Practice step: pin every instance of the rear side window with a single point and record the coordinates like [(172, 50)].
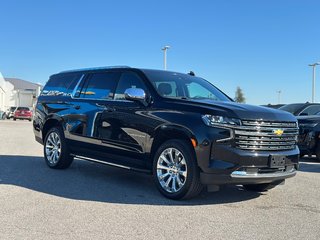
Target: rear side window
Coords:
[(128, 80), (100, 85), (61, 84)]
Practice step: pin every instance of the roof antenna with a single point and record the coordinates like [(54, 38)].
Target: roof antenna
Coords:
[(191, 73)]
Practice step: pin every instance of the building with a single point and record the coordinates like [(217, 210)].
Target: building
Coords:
[(6, 94), (17, 92)]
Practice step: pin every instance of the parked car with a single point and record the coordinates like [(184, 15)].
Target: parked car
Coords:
[(309, 133), (10, 112), (2, 115), (23, 113), (302, 109), (179, 127)]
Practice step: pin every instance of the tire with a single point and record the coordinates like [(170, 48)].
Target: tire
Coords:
[(55, 150), (177, 177), (261, 187), (14, 119)]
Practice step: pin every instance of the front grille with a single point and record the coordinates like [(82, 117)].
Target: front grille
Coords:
[(261, 135)]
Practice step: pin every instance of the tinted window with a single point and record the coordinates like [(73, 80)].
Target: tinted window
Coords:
[(100, 85), (311, 110), (61, 84), (128, 80), (167, 88), (23, 109), (178, 85)]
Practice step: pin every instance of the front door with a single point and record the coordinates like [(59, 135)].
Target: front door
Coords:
[(125, 126)]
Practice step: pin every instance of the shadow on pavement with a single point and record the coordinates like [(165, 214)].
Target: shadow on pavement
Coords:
[(95, 182), (309, 164)]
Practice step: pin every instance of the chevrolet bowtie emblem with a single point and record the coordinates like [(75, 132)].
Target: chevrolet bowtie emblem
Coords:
[(278, 132)]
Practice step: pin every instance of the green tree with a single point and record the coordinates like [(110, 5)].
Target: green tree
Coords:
[(239, 96)]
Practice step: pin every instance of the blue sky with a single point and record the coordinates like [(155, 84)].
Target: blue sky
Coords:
[(261, 46)]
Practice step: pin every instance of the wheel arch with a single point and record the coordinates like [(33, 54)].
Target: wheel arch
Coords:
[(170, 132), (53, 121)]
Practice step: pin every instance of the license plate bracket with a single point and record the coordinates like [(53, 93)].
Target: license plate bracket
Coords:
[(276, 161)]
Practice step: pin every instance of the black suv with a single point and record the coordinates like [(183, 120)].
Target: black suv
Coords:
[(301, 109), (178, 127)]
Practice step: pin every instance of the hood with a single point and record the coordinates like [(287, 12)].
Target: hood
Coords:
[(241, 111), (306, 119)]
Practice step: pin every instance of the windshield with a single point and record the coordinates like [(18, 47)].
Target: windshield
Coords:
[(291, 108), (183, 86)]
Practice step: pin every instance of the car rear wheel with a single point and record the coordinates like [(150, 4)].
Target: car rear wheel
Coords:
[(175, 171), (56, 153)]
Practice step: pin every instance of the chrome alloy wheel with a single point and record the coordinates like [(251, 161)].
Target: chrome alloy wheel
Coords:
[(171, 170), (53, 148)]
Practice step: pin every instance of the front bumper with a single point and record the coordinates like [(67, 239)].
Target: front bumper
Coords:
[(245, 177), (23, 117), (307, 141), (223, 163)]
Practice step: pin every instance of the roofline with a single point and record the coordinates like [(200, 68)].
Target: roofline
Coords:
[(94, 69)]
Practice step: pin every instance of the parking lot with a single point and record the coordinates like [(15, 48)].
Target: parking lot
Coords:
[(91, 201)]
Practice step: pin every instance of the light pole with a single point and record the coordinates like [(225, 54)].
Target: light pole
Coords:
[(279, 93), (164, 49), (314, 79)]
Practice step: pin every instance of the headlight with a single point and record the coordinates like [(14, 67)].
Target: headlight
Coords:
[(213, 120)]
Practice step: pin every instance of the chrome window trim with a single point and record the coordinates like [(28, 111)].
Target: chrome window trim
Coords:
[(76, 87), (93, 99)]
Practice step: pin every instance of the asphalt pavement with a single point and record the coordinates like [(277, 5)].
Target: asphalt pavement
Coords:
[(93, 201)]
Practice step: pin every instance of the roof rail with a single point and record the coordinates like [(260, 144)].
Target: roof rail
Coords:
[(94, 68)]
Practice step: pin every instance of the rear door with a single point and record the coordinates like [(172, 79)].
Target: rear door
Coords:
[(90, 98)]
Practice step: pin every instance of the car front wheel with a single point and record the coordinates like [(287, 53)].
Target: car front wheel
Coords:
[(175, 171), (56, 152)]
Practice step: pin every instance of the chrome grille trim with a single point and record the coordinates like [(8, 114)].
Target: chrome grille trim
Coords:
[(260, 135)]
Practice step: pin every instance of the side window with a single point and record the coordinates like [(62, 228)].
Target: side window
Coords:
[(61, 84), (100, 85), (167, 89), (128, 80), (311, 110)]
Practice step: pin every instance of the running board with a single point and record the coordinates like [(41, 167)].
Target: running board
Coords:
[(111, 164)]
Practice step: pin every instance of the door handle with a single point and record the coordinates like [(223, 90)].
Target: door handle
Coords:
[(77, 107)]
